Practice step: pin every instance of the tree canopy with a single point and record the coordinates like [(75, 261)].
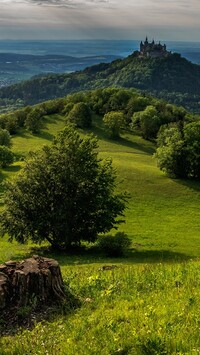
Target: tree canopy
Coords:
[(114, 122), (80, 115), (64, 194), (5, 138), (178, 152), (6, 156)]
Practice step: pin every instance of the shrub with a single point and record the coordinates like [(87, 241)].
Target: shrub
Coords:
[(6, 157), (80, 115), (114, 122), (9, 122), (5, 138), (114, 245), (33, 121), (68, 108)]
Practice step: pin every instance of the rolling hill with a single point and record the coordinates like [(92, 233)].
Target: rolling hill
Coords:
[(144, 303), (173, 78)]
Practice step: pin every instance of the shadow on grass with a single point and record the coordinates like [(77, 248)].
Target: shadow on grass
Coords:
[(12, 169), (43, 132), (24, 134), (92, 255), (134, 145), (14, 319), (157, 256), (99, 131), (45, 135), (191, 184), (3, 174)]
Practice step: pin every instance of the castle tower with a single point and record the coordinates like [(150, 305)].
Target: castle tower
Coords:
[(152, 49)]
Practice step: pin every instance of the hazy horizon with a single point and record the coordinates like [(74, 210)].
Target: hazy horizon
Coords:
[(95, 39)]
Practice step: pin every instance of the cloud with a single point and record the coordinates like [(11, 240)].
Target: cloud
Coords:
[(119, 19), (58, 3)]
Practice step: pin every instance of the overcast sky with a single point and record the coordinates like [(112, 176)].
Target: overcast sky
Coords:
[(102, 19)]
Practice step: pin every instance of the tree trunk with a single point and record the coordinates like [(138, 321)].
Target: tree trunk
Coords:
[(32, 281)]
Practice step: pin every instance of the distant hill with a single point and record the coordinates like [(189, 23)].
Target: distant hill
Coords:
[(16, 67), (173, 78)]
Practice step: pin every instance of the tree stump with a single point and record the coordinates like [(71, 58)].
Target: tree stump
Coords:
[(35, 280)]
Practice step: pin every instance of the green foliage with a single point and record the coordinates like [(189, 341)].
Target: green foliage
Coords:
[(64, 194), (6, 156), (33, 120), (5, 138), (53, 106), (80, 115), (178, 152), (114, 122), (118, 100), (137, 103), (148, 122), (21, 115), (191, 134), (170, 154), (9, 122), (68, 107), (116, 245)]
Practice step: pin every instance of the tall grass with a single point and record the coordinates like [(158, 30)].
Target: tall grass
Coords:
[(143, 309)]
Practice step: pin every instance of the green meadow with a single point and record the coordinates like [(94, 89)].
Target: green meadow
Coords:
[(149, 301)]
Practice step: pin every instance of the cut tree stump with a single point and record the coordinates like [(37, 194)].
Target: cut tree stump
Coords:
[(35, 280)]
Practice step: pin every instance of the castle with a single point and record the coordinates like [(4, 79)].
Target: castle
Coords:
[(153, 49)]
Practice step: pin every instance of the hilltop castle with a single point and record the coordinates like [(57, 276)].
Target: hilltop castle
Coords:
[(153, 49)]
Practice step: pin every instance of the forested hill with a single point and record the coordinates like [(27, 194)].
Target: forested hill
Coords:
[(173, 78)]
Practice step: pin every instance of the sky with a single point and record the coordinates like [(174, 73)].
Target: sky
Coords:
[(100, 19)]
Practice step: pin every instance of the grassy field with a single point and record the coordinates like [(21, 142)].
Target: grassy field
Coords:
[(149, 302)]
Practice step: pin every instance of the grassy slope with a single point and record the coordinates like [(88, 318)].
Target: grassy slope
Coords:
[(142, 307)]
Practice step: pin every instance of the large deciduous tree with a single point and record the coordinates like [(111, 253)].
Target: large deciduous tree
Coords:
[(64, 194), (6, 156), (5, 138), (170, 154), (33, 121), (114, 122), (148, 121), (80, 115), (178, 152)]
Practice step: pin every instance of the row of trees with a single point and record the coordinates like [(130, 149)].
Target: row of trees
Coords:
[(119, 108), (138, 109), (140, 112), (29, 117), (177, 130)]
